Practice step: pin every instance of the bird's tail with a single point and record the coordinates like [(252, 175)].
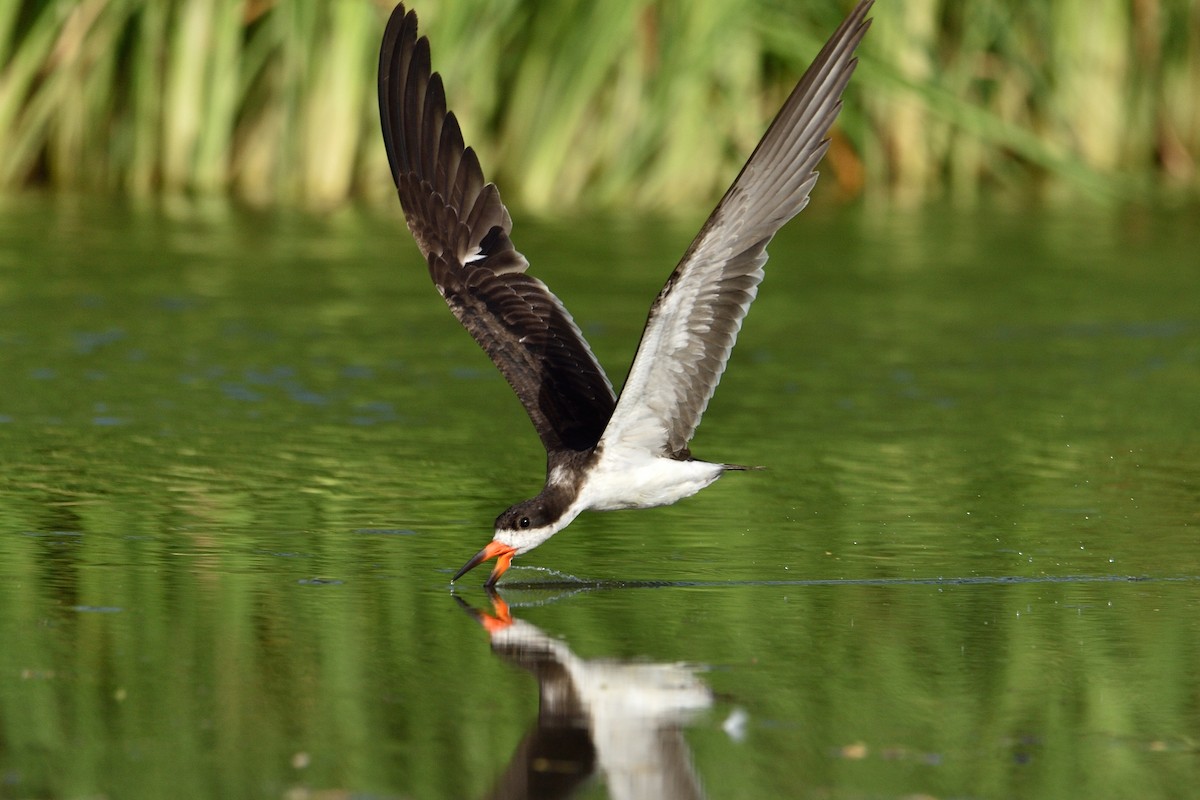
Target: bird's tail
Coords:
[(739, 467)]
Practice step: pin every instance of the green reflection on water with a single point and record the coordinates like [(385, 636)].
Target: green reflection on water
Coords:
[(242, 456)]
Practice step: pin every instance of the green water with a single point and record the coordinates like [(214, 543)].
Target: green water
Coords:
[(243, 454)]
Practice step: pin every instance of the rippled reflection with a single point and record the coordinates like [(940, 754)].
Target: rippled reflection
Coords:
[(620, 720), (243, 455)]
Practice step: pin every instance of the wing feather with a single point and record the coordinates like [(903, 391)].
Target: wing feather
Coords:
[(695, 320), (462, 228)]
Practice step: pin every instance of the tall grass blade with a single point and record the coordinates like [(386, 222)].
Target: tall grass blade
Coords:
[(627, 103)]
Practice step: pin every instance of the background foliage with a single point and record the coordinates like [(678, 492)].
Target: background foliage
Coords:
[(649, 103)]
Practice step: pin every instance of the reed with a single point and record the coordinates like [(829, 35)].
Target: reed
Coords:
[(634, 103)]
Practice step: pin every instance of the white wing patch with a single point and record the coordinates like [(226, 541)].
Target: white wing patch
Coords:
[(666, 373)]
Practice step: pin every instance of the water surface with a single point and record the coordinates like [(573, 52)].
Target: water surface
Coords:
[(243, 454)]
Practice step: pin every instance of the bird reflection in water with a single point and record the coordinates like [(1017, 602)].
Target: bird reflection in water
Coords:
[(623, 720)]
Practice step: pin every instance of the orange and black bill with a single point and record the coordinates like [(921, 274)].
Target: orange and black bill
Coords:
[(501, 552), (500, 618)]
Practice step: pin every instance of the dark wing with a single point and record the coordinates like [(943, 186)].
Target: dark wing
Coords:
[(462, 228), (695, 320)]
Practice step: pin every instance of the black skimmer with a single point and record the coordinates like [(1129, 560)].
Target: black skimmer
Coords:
[(602, 453)]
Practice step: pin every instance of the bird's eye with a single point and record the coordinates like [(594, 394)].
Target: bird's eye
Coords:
[(524, 522)]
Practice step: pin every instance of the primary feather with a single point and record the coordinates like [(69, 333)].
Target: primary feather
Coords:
[(462, 229), (695, 320)]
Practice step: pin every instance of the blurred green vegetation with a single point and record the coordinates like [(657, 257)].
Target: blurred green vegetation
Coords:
[(644, 103)]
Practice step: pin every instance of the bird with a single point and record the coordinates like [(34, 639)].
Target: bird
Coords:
[(603, 452)]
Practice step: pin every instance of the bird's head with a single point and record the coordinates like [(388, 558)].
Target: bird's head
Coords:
[(519, 530)]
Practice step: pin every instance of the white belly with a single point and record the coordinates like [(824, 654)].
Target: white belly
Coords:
[(638, 480)]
